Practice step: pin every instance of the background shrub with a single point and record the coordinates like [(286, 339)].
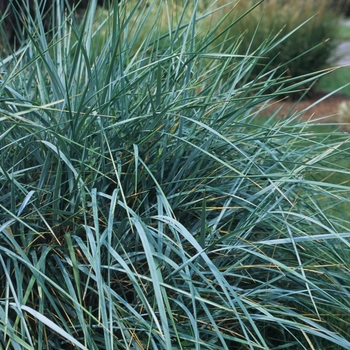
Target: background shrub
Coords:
[(341, 6), (310, 48)]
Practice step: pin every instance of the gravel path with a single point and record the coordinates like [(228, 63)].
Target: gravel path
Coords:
[(342, 52)]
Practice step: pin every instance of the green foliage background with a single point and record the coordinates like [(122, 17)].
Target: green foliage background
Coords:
[(308, 49)]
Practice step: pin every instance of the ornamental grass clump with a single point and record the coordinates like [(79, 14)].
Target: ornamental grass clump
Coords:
[(145, 203)]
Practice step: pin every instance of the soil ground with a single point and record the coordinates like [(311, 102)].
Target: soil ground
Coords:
[(328, 109)]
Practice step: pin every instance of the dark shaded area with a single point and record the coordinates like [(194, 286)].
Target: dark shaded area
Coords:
[(343, 6), (14, 14)]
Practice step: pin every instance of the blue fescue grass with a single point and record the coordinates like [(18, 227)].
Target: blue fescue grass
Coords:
[(144, 204)]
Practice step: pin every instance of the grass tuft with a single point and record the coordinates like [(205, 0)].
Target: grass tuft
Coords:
[(144, 204)]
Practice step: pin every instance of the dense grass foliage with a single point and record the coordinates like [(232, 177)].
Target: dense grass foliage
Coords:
[(144, 204)]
